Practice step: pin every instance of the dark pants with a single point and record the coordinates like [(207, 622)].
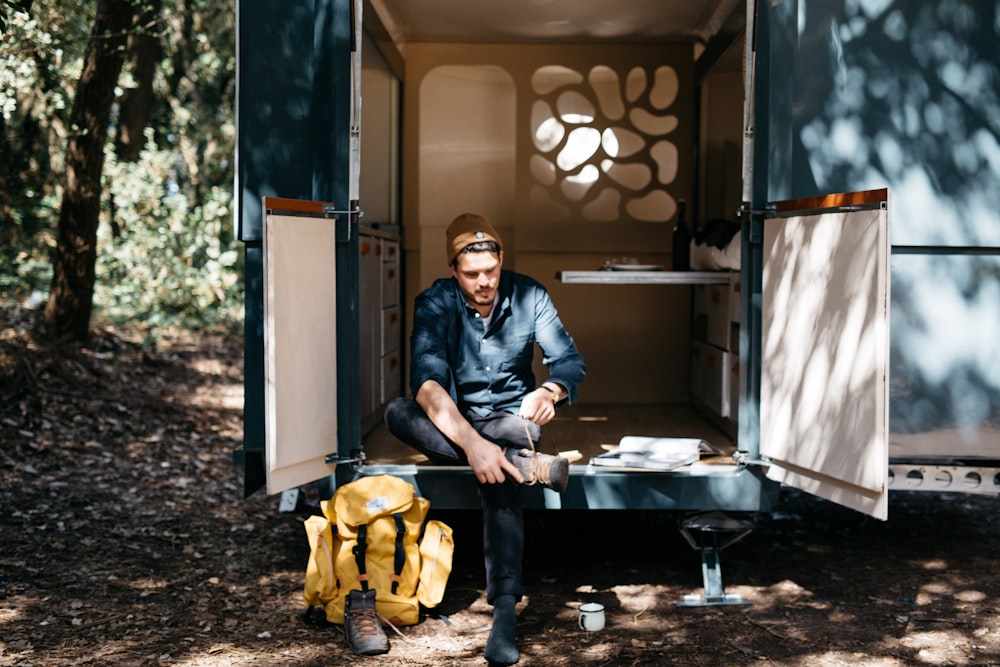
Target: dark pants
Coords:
[(503, 523)]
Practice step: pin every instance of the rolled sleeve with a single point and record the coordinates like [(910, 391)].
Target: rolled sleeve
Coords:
[(560, 354), (428, 351)]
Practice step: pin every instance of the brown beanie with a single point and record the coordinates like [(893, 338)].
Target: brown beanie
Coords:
[(467, 229)]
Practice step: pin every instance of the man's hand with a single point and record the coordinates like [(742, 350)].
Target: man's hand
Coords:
[(488, 462), (538, 407), (485, 458)]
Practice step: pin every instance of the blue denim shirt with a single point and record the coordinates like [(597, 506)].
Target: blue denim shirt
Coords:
[(490, 370)]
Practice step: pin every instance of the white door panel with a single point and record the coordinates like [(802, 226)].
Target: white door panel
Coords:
[(300, 347), (824, 355)]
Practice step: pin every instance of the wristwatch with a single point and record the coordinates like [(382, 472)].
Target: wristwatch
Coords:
[(555, 394)]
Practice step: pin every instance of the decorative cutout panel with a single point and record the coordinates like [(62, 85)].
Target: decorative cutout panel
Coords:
[(602, 143)]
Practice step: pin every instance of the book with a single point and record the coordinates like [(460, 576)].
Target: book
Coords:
[(652, 453)]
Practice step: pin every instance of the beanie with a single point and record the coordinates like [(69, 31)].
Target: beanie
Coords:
[(467, 229)]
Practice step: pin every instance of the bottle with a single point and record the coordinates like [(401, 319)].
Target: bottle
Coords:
[(681, 240)]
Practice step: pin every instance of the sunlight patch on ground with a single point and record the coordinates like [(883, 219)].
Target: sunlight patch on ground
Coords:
[(636, 599), (12, 610), (782, 593), (148, 585), (841, 617), (281, 577), (938, 588), (970, 596), (843, 659), (939, 647), (227, 396), (936, 564)]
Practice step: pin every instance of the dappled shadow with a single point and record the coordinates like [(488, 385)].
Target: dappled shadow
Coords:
[(824, 347), (125, 542), (903, 95)]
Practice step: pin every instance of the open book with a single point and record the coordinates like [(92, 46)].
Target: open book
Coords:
[(650, 453)]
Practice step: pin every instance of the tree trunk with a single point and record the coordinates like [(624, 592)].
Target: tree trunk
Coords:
[(67, 313), (137, 103)]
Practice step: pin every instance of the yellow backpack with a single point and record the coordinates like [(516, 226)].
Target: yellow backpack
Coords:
[(373, 535)]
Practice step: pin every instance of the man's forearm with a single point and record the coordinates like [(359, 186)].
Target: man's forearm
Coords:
[(485, 458), (444, 414)]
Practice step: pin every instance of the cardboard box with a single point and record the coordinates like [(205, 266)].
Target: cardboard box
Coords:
[(711, 313), (710, 377), (734, 386)]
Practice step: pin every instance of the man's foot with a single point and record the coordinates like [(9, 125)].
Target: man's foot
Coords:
[(501, 647), (364, 632), (552, 472)]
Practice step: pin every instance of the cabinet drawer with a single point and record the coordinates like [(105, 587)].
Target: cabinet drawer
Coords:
[(391, 376), (390, 329), (390, 285), (390, 251)]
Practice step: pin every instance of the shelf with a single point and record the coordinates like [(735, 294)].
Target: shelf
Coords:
[(645, 277)]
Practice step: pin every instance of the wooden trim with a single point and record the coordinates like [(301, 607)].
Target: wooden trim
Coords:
[(295, 205), (833, 201)]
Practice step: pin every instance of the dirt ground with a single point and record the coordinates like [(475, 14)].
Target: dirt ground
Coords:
[(125, 541)]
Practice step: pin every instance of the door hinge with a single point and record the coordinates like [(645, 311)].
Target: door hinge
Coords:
[(344, 224)]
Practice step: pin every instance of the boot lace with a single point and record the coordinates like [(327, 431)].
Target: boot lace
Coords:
[(365, 620)]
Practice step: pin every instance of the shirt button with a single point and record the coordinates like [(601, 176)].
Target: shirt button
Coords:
[(488, 368), (484, 341)]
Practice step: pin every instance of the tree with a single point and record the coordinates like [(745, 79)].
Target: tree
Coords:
[(165, 252), (137, 103), (67, 313)]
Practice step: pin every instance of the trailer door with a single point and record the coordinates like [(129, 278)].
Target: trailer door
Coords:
[(298, 105), (824, 348), (300, 343)]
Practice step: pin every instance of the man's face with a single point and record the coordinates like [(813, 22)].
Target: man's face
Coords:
[(478, 275)]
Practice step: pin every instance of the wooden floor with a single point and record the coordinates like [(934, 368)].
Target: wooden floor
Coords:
[(590, 429)]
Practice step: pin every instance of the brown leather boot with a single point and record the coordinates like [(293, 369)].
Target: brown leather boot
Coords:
[(361, 625), (552, 472)]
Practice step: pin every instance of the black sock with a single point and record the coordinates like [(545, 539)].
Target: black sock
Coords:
[(501, 648)]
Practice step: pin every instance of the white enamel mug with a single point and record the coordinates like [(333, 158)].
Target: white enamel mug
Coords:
[(591, 616)]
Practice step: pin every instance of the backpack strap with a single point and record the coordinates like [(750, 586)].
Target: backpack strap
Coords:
[(359, 550), (399, 559)]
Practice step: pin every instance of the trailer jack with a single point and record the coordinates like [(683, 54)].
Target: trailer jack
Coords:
[(710, 533)]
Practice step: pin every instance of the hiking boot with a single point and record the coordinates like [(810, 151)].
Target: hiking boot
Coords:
[(361, 625), (552, 472)]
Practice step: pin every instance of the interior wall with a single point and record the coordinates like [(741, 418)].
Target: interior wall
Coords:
[(466, 155), (720, 178), (379, 183), (471, 120)]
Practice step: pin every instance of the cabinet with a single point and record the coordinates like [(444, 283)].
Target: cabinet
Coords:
[(380, 323), (715, 348)]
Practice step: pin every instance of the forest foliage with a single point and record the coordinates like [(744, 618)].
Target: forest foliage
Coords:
[(166, 249)]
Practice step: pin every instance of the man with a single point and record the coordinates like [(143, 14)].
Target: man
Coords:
[(476, 401)]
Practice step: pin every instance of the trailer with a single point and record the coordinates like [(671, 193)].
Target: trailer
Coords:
[(853, 351)]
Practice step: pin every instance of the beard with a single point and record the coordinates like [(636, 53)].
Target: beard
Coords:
[(483, 297)]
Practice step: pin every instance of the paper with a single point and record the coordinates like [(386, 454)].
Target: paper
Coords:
[(651, 453)]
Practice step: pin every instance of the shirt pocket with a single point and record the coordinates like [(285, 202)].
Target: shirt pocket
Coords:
[(517, 346)]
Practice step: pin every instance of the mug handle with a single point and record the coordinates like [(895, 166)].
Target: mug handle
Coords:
[(580, 621)]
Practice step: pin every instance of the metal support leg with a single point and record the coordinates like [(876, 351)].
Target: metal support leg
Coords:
[(702, 532)]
